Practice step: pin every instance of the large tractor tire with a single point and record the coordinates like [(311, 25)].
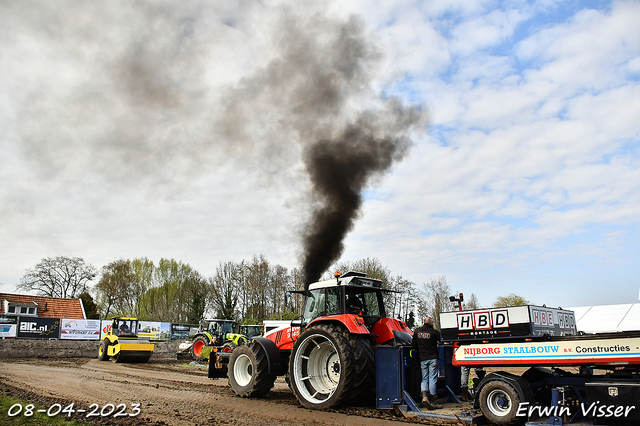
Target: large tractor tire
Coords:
[(363, 392), (196, 349), (499, 402), (102, 351), (324, 367), (248, 371)]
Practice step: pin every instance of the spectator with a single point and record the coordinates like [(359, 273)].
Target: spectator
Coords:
[(426, 338)]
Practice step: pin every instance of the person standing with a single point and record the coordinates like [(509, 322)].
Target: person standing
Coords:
[(426, 338), (464, 383)]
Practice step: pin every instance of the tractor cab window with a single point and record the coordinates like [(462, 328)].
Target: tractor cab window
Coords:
[(322, 302), (214, 328), (227, 327), (362, 301), (314, 307), (372, 302), (125, 328), (333, 301)]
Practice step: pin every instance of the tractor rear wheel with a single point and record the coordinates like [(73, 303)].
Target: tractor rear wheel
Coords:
[(363, 392), (248, 371), (324, 367), (196, 349), (102, 351)]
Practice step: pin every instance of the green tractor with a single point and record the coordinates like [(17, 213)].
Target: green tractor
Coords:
[(213, 333), (251, 330)]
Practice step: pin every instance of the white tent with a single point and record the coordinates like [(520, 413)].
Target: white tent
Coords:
[(607, 318)]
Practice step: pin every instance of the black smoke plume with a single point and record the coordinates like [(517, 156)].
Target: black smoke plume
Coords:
[(320, 90), (340, 169)]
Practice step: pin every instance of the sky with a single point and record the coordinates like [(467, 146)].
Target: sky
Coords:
[(180, 130)]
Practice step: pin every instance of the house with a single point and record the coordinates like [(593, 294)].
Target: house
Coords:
[(41, 307)]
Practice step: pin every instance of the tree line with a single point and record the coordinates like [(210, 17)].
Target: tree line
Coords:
[(248, 291)]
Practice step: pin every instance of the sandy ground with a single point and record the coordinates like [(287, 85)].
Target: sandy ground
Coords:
[(168, 393)]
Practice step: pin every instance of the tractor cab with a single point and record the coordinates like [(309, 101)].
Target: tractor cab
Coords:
[(251, 330), (125, 327), (217, 329), (352, 293)]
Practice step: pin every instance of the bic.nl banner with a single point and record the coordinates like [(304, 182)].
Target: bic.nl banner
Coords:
[(39, 328)]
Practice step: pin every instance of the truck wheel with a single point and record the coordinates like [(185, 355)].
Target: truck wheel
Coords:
[(102, 351), (323, 367), (499, 403), (248, 371), (196, 349)]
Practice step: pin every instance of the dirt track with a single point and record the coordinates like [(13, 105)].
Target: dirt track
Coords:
[(168, 393)]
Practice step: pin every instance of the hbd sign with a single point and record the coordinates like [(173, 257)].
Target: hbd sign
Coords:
[(483, 320), (506, 322)]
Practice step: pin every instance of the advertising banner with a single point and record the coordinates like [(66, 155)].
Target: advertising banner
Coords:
[(165, 331), (183, 331), (78, 329), (514, 321), (8, 326), (39, 328), (105, 327), (554, 352), (150, 330)]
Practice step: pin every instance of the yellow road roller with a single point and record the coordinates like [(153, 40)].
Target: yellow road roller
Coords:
[(121, 343)]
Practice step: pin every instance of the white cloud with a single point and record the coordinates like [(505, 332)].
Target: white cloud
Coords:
[(527, 183)]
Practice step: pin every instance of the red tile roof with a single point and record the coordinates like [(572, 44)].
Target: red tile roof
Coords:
[(47, 307)]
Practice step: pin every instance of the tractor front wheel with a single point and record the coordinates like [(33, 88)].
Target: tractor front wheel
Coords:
[(198, 344), (228, 347), (248, 371), (323, 367)]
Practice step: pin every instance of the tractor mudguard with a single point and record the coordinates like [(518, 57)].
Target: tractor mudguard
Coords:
[(353, 323), (276, 366), (237, 338)]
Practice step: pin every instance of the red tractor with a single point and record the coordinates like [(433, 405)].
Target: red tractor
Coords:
[(327, 356)]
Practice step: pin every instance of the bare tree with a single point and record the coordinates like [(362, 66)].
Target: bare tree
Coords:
[(370, 266), (225, 288), (436, 299), (472, 302), (113, 289), (257, 277), (142, 270), (61, 276)]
